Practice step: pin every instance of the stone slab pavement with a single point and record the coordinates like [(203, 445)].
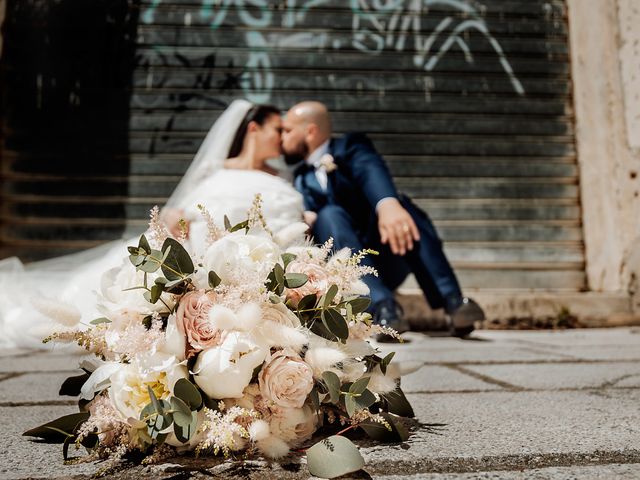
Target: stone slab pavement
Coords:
[(499, 405)]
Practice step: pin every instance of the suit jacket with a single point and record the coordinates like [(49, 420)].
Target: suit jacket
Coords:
[(360, 181)]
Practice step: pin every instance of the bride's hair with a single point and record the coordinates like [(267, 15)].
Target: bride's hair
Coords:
[(258, 114)]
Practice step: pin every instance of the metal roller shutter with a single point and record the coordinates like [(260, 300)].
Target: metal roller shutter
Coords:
[(470, 102)]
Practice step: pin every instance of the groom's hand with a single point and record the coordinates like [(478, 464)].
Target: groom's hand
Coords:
[(396, 226)]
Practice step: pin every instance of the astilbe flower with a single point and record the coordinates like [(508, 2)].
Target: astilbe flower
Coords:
[(223, 431), (158, 232), (136, 339), (213, 231), (92, 340), (255, 216), (104, 421)]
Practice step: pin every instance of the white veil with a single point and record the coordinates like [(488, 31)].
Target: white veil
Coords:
[(213, 151), (70, 277)]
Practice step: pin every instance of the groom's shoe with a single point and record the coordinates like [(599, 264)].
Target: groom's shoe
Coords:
[(388, 313), (461, 320)]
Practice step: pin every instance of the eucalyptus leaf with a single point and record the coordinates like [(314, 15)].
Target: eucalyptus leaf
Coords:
[(161, 281), (350, 405), (156, 292), (359, 304), (144, 244), (295, 280), (333, 457), (307, 302), (239, 226), (59, 429), (287, 258), (185, 421), (178, 263), (384, 363), (188, 393), (227, 223), (329, 296), (335, 323), (278, 271), (72, 385), (214, 279), (365, 400), (359, 385), (398, 404), (332, 382), (315, 399), (100, 320)]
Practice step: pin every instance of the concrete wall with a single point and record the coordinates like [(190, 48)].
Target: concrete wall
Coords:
[(605, 49)]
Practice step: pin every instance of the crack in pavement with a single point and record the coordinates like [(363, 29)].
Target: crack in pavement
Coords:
[(482, 377), (520, 390)]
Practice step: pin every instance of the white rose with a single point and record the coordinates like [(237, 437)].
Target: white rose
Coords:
[(224, 371), (286, 379), (239, 256), (280, 313), (129, 384), (294, 425)]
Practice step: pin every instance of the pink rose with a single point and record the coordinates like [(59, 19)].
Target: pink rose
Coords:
[(318, 282), (286, 379), (192, 320)]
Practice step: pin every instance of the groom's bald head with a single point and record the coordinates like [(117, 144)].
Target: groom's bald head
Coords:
[(307, 125), (312, 113)]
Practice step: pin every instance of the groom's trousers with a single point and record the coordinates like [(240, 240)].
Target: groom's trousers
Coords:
[(426, 261)]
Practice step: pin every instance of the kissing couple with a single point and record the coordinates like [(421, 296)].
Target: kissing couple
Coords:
[(341, 188)]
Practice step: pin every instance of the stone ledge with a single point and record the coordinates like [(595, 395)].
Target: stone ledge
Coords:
[(530, 309)]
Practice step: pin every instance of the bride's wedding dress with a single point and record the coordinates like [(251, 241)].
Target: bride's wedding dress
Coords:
[(76, 279)]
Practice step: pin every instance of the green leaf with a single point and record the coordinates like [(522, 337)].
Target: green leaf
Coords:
[(398, 404), (239, 226), (359, 385), (384, 363), (214, 279), (178, 260), (188, 393), (307, 302), (151, 262), (359, 304), (184, 421), (365, 400), (295, 280), (278, 271), (156, 292), (59, 429), (332, 382), (315, 399), (72, 385), (100, 320), (144, 244), (329, 296), (333, 457), (157, 406), (227, 223), (350, 405), (287, 258), (335, 323), (161, 281)]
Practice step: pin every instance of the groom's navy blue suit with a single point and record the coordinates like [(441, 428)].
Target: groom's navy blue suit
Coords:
[(346, 212)]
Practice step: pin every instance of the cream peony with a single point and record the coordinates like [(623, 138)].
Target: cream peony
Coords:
[(280, 313), (130, 383), (238, 256), (286, 379), (224, 371)]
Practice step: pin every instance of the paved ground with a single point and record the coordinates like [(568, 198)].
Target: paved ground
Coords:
[(503, 404)]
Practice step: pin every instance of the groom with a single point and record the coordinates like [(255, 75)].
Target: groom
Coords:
[(349, 196)]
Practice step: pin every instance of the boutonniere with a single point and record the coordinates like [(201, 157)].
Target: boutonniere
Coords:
[(328, 163)]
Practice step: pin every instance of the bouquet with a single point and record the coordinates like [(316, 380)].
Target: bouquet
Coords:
[(251, 348)]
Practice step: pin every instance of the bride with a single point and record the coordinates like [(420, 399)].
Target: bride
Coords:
[(229, 169)]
